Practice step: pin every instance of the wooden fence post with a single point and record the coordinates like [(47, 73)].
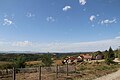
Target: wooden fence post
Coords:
[(13, 73), (39, 72), (67, 69), (57, 71)]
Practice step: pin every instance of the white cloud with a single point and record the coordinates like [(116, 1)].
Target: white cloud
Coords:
[(107, 21), (118, 37), (92, 18), (5, 15), (60, 47), (82, 2), (50, 19), (22, 43), (82, 46), (66, 8), (7, 22), (29, 15)]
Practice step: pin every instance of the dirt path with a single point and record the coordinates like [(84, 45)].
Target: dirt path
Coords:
[(112, 76), (116, 60)]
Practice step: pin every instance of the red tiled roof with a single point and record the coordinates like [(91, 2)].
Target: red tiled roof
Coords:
[(86, 56)]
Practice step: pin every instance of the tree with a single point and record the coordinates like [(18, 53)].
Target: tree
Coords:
[(118, 53), (110, 56), (46, 59), (20, 62), (98, 53)]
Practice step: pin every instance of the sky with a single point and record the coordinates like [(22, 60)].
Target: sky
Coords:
[(59, 25)]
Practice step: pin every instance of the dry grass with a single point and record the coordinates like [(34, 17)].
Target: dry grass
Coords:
[(84, 71), (4, 62), (89, 71), (33, 63), (58, 62), (5, 65), (34, 76)]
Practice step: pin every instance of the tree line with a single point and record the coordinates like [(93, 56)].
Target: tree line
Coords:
[(20, 59)]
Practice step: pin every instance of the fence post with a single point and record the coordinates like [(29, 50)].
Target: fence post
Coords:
[(13, 73), (67, 69), (39, 72), (57, 71)]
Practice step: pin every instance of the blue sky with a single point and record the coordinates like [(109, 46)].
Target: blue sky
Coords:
[(59, 25)]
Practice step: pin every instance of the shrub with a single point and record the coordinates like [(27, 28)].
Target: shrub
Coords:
[(82, 67), (19, 62), (6, 66), (109, 57), (46, 59)]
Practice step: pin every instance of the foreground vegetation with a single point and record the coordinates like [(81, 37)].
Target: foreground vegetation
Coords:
[(90, 71), (83, 71)]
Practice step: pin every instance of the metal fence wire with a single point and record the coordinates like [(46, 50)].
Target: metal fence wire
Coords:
[(38, 73)]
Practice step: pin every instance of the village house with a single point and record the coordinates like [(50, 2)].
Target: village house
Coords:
[(72, 60), (86, 57), (99, 56), (82, 57)]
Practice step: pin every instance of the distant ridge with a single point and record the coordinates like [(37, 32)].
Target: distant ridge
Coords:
[(33, 52)]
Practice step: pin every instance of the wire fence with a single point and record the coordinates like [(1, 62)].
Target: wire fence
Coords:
[(39, 73)]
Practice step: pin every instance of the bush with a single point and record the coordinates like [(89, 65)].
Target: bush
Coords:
[(6, 66), (103, 68), (110, 56), (46, 59), (82, 67), (20, 62)]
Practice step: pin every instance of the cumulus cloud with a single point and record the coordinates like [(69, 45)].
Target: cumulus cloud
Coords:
[(7, 22), (22, 43), (107, 21), (82, 2), (29, 15), (66, 8), (92, 18), (50, 19)]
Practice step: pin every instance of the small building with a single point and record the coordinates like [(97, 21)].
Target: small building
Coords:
[(72, 60), (99, 56), (86, 57)]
